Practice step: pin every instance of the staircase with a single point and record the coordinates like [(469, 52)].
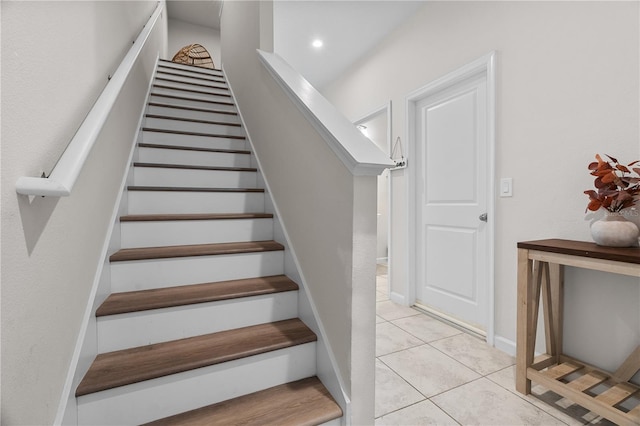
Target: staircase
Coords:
[(201, 326)]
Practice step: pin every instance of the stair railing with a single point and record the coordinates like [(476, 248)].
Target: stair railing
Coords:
[(64, 175), (355, 150)]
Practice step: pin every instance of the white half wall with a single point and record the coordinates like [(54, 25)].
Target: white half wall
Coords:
[(568, 84), (326, 211)]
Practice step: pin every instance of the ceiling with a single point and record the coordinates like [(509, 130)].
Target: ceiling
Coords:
[(349, 29), (200, 12)]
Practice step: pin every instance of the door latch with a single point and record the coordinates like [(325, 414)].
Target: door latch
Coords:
[(483, 217)]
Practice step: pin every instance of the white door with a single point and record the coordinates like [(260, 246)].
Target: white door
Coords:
[(451, 198)]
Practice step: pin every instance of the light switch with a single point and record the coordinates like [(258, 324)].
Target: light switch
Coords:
[(506, 187)]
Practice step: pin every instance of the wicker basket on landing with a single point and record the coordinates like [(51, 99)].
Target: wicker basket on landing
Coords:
[(194, 54)]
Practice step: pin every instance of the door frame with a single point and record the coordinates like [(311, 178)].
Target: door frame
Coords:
[(485, 65), (384, 109)]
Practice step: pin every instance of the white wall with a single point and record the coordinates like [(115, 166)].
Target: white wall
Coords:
[(567, 88), (327, 213), (56, 57), (184, 33), (377, 129)]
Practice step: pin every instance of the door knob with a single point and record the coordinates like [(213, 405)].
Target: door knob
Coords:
[(483, 217)]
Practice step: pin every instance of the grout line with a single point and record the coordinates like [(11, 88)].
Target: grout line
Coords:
[(403, 379), (444, 411), (552, 410), (402, 408)]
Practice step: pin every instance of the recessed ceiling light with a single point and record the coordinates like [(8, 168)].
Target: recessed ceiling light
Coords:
[(317, 43)]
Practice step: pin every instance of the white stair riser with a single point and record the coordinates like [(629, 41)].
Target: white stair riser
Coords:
[(189, 70), (123, 331), (188, 78), (192, 141), (192, 158), (143, 402), (162, 273), (198, 115), (214, 88), (191, 95), (150, 202), (182, 232), (189, 126), (156, 176), (192, 103)]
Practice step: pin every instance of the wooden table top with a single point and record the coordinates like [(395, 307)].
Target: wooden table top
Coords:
[(584, 249)]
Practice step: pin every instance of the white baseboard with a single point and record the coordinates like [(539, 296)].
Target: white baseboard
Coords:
[(398, 298), (505, 345)]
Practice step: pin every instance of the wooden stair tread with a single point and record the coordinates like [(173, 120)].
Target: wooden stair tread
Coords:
[(183, 132), (189, 167), (182, 89), (134, 365), (194, 148), (193, 216), (210, 86), (192, 120), (163, 69), (303, 402), (188, 108), (178, 65), (185, 98), (210, 78), (143, 300), (164, 252), (191, 69), (191, 189)]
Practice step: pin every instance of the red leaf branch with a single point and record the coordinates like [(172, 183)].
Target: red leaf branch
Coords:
[(617, 187)]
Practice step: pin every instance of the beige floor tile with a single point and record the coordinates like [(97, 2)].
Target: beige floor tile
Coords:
[(474, 353), (483, 402), (426, 328), (380, 296), (552, 403), (381, 269), (382, 287), (390, 310), (390, 338), (429, 370), (422, 413), (392, 392), (379, 319)]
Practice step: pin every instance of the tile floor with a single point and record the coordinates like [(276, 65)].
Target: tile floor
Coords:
[(430, 373)]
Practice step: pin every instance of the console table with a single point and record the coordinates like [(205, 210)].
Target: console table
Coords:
[(540, 277)]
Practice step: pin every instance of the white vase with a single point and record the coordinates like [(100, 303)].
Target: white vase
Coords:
[(614, 230)]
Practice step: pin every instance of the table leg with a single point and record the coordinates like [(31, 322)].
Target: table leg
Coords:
[(556, 284), (524, 343), (547, 308)]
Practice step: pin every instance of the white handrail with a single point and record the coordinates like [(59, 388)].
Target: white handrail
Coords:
[(358, 153), (65, 173)]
